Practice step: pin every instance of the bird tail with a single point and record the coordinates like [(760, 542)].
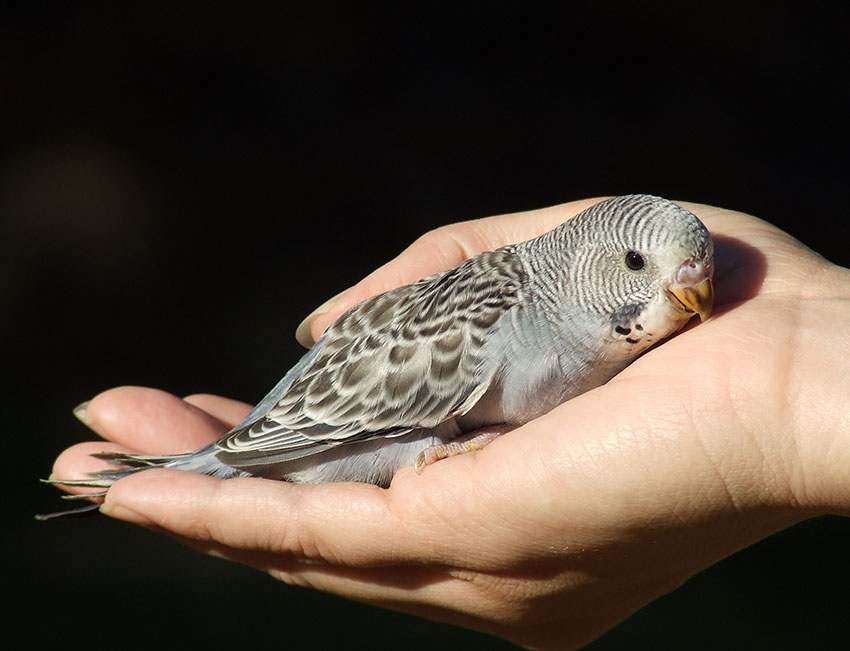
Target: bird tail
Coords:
[(201, 461)]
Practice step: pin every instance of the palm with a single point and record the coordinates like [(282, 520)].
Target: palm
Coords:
[(698, 449)]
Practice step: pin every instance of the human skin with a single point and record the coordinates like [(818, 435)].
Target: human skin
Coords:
[(555, 532)]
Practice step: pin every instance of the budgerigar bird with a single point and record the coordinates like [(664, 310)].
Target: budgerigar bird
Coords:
[(404, 377)]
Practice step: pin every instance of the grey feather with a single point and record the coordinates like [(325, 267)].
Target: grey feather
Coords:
[(503, 338)]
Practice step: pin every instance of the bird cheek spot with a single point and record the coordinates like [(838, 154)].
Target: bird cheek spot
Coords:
[(632, 340)]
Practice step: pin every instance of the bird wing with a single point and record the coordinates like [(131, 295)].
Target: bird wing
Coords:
[(410, 358)]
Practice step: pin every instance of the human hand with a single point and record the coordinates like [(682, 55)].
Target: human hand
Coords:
[(562, 528)]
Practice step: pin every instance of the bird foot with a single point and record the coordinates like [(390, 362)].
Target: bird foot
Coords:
[(478, 440)]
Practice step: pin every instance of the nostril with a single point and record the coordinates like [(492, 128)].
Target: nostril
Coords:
[(691, 272)]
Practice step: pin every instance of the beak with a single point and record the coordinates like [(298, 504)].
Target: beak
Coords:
[(693, 299)]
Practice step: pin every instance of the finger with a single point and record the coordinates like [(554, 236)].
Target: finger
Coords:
[(439, 250), (350, 539), (151, 421), (420, 519), (379, 580), (228, 411), (348, 524), (250, 513), (343, 538)]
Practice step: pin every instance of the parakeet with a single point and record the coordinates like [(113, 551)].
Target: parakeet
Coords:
[(404, 377)]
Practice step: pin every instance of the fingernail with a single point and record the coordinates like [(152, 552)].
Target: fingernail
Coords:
[(81, 411), (123, 513), (302, 332)]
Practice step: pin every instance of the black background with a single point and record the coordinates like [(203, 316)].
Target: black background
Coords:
[(181, 183)]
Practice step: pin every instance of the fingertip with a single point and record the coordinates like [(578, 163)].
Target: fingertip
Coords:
[(119, 512), (81, 413), (304, 333), (109, 408), (76, 460)]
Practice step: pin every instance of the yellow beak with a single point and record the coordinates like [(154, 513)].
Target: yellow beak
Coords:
[(693, 299)]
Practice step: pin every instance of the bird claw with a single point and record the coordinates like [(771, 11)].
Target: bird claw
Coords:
[(476, 441), (428, 456)]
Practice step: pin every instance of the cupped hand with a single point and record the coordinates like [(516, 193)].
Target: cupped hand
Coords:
[(560, 529)]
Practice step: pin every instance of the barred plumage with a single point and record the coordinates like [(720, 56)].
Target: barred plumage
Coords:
[(502, 338)]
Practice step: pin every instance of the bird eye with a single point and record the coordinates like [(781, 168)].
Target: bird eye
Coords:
[(634, 260)]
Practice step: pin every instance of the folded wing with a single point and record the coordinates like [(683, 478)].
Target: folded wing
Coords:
[(407, 359)]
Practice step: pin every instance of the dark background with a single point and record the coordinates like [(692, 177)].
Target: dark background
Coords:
[(180, 184)]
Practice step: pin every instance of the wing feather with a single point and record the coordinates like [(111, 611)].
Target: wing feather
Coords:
[(406, 359)]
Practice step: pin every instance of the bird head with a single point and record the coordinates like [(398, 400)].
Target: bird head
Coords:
[(655, 260)]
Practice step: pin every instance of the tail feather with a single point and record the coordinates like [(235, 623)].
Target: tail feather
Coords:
[(139, 460), (202, 461), (100, 479), (130, 464), (82, 496), (90, 509)]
